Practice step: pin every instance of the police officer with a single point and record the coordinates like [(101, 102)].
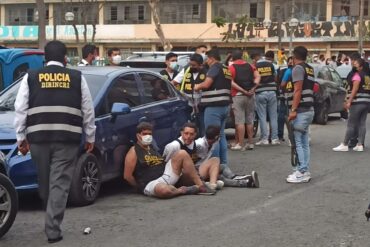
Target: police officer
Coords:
[(216, 99), (266, 100), (300, 103), (53, 108)]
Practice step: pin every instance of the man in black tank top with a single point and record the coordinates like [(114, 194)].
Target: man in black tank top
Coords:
[(146, 170)]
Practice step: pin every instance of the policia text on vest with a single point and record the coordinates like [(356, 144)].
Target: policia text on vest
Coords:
[(54, 80)]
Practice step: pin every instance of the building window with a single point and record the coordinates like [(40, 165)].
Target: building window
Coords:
[(196, 10), (303, 10), (141, 12), (30, 13), (345, 10), (233, 10), (113, 13), (88, 10), (253, 10), (127, 12), (180, 11)]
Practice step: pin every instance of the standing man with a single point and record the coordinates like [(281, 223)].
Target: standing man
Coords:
[(300, 102), (245, 80), (216, 99), (114, 57), (88, 55), (52, 112), (266, 100), (170, 72)]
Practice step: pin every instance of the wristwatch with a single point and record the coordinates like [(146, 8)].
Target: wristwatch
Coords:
[(293, 110)]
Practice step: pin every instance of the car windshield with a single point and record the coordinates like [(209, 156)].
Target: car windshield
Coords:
[(8, 96)]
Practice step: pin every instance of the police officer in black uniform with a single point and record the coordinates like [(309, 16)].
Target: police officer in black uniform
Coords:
[(53, 108), (170, 72)]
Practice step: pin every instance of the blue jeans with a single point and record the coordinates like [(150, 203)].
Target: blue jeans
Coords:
[(300, 125), (266, 102), (216, 115)]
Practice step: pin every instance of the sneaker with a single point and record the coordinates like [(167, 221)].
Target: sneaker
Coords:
[(358, 148), (248, 147), (341, 148), (256, 182), (262, 142), (299, 177), (236, 147), (240, 177), (217, 186), (293, 174), (204, 190), (275, 142)]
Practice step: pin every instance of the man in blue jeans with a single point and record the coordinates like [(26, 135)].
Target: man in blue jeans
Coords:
[(300, 101), (266, 100), (216, 99)]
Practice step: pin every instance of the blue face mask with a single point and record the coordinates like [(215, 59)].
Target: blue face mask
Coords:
[(173, 65)]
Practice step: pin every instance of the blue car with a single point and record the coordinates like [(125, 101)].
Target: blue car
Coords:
[(15, 62), (122, 97)]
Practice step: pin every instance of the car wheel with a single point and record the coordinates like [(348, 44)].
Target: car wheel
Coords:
[(322, 114), (86, 181), (8, 204)]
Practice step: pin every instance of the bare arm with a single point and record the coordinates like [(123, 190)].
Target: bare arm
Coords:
[(130, 164), (204, 85), (297, 94), (257, 79)]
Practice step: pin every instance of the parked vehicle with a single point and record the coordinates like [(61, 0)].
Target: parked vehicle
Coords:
[(331, 95), (8, 203), (15, 62), (154, 61), (123, 97)]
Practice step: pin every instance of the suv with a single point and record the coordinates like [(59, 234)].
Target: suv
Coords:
[(15, 62), (154, 61)]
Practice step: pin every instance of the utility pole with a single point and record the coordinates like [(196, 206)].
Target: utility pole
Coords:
[(279, 26), (361, 28)]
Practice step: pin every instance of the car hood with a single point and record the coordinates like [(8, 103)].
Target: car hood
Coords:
[(7, 125)]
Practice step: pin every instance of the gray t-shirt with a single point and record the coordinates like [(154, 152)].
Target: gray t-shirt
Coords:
[(298, 73)]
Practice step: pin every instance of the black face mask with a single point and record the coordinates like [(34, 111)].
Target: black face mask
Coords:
[(193, 70)]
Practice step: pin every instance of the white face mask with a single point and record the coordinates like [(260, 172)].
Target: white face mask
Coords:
[(146, 139), (204, 56), (116, 59), (173, 65)]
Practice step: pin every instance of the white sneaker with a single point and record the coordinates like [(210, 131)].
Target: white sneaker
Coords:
[(217, 186), (275, 142), (359, 148), (248, 147), (262, 142), (341, 148), (236, 147), (293, 174), (299, 177)]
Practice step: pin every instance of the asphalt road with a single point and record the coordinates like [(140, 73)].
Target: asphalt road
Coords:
[(328, 211)]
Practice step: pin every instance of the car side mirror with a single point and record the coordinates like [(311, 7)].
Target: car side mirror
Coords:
[(119, 109)]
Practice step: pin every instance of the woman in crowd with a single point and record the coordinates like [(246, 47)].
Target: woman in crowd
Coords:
[(357, 103)]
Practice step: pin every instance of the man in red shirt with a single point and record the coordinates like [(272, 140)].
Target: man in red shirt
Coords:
[(245, 80)]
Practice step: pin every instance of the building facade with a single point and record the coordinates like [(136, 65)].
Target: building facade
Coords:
[(325, 27)]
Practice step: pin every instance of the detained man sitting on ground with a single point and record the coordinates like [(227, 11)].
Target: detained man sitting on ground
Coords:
[(201, 151), (146, 170)]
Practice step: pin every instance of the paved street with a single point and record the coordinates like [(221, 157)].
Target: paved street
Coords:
[(329, 211)]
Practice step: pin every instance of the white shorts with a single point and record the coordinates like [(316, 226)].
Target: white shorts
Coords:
[(168, 177)]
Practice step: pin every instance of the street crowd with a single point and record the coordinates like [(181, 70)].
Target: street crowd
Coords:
[(196, 162)]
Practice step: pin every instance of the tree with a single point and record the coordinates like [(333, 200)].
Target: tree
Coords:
[(158, 28), (40, 5)]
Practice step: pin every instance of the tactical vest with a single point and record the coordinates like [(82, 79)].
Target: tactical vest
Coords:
[(54, 113), (188, 82), (218, 94), (192, 152), (363, 93), (150, 165), (266, 70), (307, 99), (167, 76), (244, 76)]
